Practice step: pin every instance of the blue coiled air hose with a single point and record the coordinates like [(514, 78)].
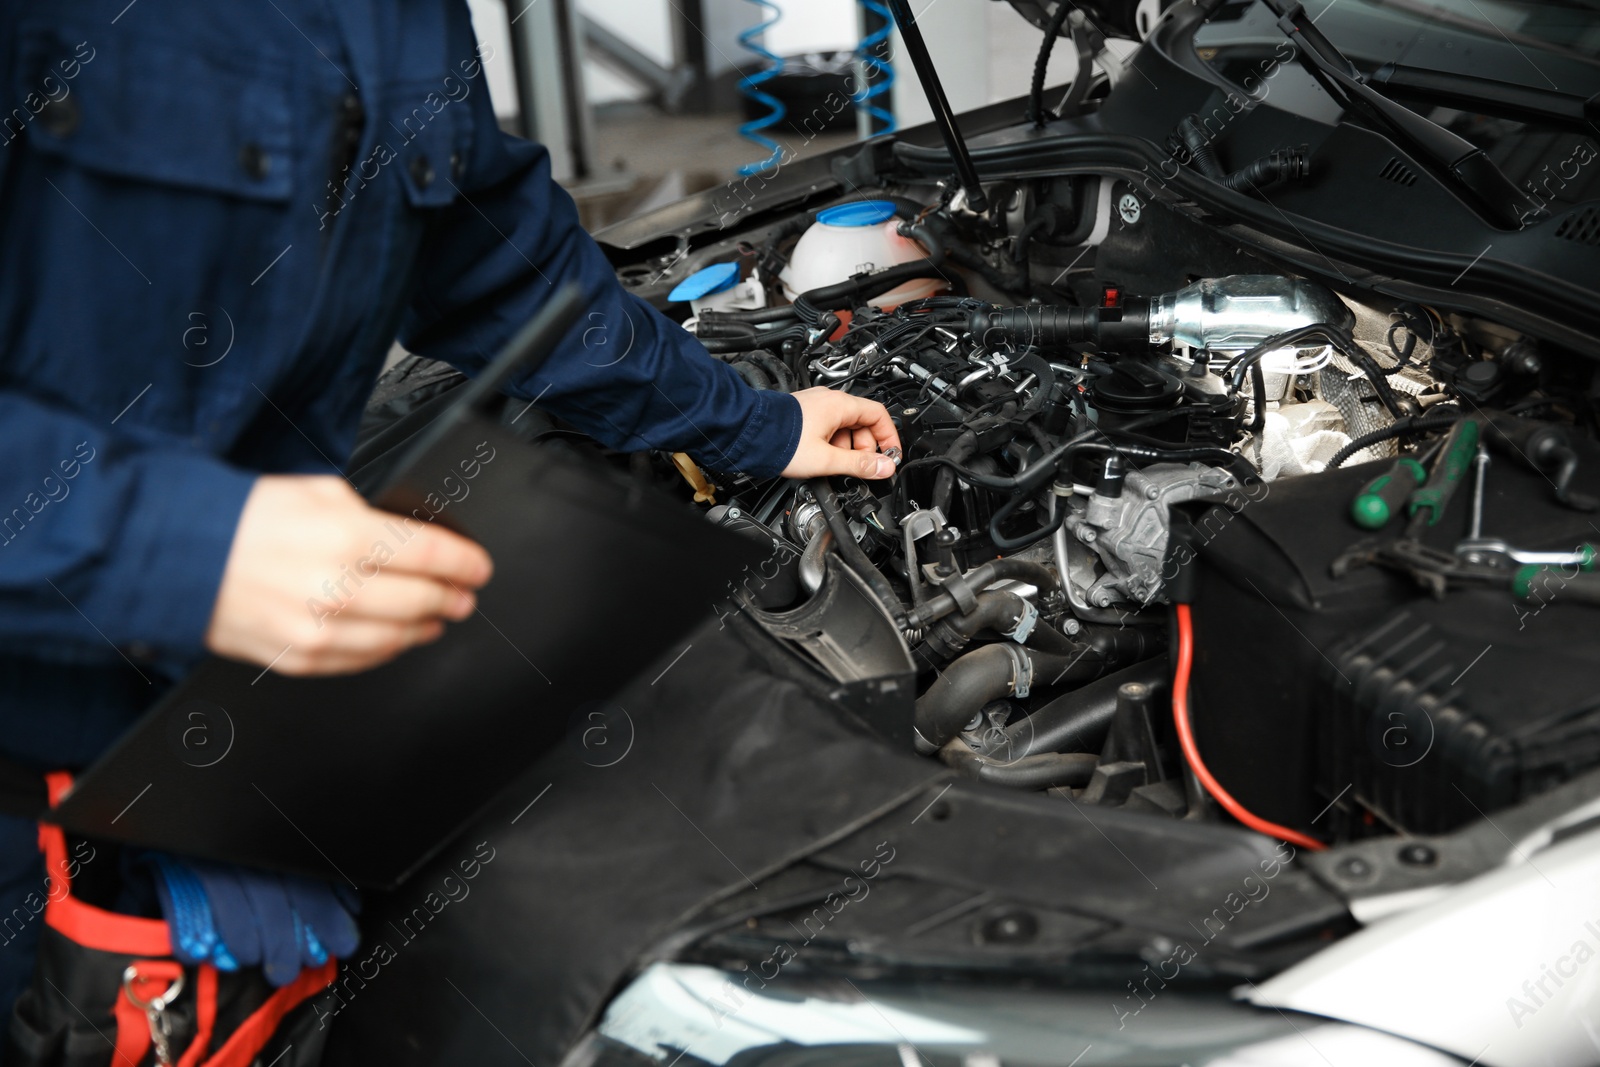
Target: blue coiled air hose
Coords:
[(873, 56), (750, 86)]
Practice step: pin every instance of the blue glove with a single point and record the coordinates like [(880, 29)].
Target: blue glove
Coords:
[(232, 917)]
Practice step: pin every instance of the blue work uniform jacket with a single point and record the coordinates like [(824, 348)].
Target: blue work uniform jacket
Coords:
[(215, 218)]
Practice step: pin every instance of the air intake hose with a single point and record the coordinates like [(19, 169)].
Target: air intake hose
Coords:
[(1056, 326)]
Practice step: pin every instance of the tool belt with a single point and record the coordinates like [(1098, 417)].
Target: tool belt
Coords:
[(106, 990)]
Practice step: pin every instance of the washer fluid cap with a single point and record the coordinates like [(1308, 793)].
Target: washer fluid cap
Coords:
[(860, 213), (704, 282)]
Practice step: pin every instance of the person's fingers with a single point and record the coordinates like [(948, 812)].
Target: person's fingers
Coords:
[(869, 465), (407, 598), (435, 552), (341, 646), (862, 438), (840, 439), (861, 413)]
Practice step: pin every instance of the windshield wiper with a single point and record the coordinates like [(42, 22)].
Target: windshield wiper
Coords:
[(1486, 96), (1451, 156)]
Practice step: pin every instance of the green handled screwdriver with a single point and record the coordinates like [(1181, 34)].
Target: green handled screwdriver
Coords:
[(1450, 469), (1385, 496)]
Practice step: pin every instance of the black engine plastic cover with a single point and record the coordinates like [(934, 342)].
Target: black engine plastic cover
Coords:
[(1416, 712)]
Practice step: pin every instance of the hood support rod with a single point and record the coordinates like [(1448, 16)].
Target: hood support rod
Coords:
[(943, 117)]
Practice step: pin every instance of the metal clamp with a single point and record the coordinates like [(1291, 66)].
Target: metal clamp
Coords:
[(1026, 621), (155, 1010), (1021, 670)]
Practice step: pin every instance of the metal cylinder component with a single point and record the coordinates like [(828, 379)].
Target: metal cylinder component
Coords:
[(1238, 312)]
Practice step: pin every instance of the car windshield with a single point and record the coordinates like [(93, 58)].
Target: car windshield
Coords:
[(1567, 25)]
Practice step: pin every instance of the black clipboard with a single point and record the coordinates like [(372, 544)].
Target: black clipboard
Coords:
[(361, 778)]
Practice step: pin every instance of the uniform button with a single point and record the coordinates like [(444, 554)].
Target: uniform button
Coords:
[(60, 117), (255, 162), (457, 168), (422, 172)]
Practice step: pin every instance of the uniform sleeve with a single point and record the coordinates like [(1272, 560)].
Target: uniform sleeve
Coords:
[(626, 374), (107, 538)]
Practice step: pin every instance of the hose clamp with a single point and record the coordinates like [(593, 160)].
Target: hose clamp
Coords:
[(1027, 619), (1021, 670)]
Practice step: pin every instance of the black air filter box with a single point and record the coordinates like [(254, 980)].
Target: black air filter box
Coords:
[(1420, 713)]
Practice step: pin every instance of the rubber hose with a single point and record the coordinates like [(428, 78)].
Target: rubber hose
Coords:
[(1086, 207), (1044, 771), (1380, 383), (1200, 150), (732, 346), (944, 482), (1047, 638), (1041, 63), (1433, 420), (1098, 653), (1232, 462), (845, 543), (705, 330), (1281, 166), (986, 574), (1049, 326), (905, 208), (945, 243), (996, 610), (1040, 368), (754, 376), (1335, 336), (812, 304), (1079, 720), (1040, 222), (960, 692), (1057, 514), (780, 374), (990, 673), (755, 316), (999, 611)]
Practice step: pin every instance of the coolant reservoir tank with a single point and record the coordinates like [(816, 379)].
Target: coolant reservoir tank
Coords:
[(1238, 312), (852, 239)]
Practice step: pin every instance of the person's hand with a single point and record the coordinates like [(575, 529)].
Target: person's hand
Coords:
[(319, 582), (842, 434)]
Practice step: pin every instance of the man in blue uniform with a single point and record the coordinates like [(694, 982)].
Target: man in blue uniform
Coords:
[(214, 221)]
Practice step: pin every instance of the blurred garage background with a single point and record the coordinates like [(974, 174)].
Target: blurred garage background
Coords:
[(640, 103)]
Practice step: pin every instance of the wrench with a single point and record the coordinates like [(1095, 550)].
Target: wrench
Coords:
[(1495, 552)]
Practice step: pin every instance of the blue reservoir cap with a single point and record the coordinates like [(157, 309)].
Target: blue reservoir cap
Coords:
[(713, 279), (860, 213)]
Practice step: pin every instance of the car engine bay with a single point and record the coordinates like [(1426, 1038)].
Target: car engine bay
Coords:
[(1220, 654), (1089, 384)]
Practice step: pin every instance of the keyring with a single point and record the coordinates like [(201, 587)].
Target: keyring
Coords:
[(155, 1004)]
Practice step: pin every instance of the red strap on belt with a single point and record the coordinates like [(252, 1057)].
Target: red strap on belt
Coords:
[(86, 924), (129, 935)]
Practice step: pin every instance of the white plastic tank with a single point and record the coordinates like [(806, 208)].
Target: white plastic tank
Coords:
[(855, 238)]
